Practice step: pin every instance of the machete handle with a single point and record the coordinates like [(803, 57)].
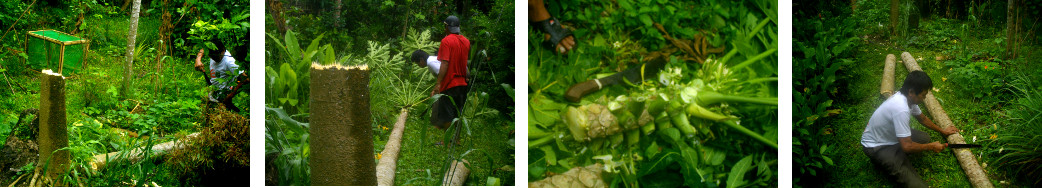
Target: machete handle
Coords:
[(577, 91)]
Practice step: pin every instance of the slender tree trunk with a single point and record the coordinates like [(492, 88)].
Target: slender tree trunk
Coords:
[(128, 68), (336, 14), (894, 10), (1011, 34)]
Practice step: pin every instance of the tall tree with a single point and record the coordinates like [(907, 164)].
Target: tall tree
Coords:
[(336, 14), (131, 37), (893, 17), (1011, 27)]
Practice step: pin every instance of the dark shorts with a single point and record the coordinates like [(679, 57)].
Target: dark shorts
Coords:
[(893, 160), (449, 106)]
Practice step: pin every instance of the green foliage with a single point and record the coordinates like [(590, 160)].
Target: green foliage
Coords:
[(1021, 138), (820, 56), (982, 80), (231, 31), (288, 75)]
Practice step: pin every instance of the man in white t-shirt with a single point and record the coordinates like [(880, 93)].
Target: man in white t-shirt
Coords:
[(423, 59), (889, 137)]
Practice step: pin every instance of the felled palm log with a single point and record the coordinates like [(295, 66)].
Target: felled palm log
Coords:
[(966, 159), (578, 177), (341, 127), (456, 175), (887, 87), (53, 134), (389, 156), (100, 161)]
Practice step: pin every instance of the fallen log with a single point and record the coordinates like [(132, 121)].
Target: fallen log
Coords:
[(100, 161), (456, 175), (389, 156), (887, 87), (341, 126), (53, 135), (578, 177), (966, 159)]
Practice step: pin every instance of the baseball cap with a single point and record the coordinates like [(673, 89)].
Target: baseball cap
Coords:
[(452, 22)]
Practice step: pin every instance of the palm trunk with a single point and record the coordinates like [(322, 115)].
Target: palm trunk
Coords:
[(969, 164), (100, 161), (389, 156), (588, 176), (53, 135), (456, 175), (894, 9), (341, 128), (887, 87), (128, 68)]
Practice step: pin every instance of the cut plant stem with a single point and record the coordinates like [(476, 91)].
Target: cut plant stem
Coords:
[(699, 111), (712, 97), (754, 59)]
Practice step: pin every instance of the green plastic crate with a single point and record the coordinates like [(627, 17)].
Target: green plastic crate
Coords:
[(55, 50)]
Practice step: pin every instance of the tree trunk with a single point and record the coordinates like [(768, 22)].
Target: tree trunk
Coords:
[(100, 161), (456, 175), (969, 164), (336, 14), (341, 127), (1011, 33), (887, 87), (53, 135), (389, 156), (894, 12), (128, 68)]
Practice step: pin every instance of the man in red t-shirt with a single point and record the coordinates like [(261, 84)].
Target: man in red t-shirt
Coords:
[(452, 77)]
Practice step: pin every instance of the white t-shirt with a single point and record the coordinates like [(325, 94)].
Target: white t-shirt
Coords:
[(433, 64), (889, 122), (221, 69)]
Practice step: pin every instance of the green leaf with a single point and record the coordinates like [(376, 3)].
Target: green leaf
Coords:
[(644, 18), (737, 176)]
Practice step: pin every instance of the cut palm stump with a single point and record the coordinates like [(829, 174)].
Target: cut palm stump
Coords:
[(456, 175), (389, 156), (53, 135), (969, 164), (887, 87), (341, 134), (578, 177), (100, 161)]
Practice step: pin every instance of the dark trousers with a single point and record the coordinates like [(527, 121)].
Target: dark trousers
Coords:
[(895, 161), (449, 106)]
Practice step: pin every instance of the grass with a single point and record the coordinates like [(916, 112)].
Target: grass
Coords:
[(975, 118)]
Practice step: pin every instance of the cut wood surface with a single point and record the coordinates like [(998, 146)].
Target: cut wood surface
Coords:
[(456, 175), (578, 177), (389, 156), (101, 160), (966, 159), (886, 89), (341, 126), (53, 135)]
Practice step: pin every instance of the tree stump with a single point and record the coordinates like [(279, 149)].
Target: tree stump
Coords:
[(456, 175), (341, 126), (53, 134)]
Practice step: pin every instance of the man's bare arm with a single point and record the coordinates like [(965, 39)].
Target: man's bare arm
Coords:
[(929, 124), (441, 74), (909, 146)]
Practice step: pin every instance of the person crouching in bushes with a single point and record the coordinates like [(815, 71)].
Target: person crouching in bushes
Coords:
[(221, 76)]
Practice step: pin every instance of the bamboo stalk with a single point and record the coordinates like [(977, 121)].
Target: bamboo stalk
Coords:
[(53, 135), (100, 161), (341, 127), (966, 159), (456, 175), (389, 156), (887, 87)]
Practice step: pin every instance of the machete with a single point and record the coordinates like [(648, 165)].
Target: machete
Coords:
[(635, 74), (962, 145)]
